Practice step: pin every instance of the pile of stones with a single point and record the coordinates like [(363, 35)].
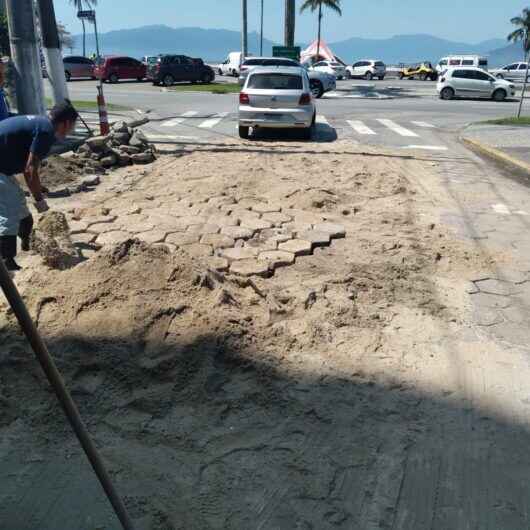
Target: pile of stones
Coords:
[(122, 147)]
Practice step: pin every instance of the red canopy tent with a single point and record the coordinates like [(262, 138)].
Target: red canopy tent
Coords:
[(310, 54)]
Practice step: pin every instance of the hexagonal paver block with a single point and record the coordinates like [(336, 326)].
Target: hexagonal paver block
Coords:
[(204, 229), (277, 218), (132, 219), (223, 199), (265, 207), (217, 241), (317, 239), (236, 254), (298, 247), (237, 232), (112, 238), (100, 219), (182, 238), (152, 236), (255, 224), (219, 264), (334, 230), (301, 216), (144, 226), (296, 228), (192, 220), (77, 227), (245, 214), (250, 267), (101, 228), (493, 286), (197, 250), (277, 258), (223, 220), (84, 239)]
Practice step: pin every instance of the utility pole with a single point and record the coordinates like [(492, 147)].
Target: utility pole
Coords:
[(261, 32), (244, 32), (290, 22), (52, 50), (26, 59)]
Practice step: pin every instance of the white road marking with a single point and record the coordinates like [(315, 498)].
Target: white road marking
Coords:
[(393, 126), (423, 124), (208, 124), (322, 119), (359, 127), (426, 147), (162, 137), (521, 212), (176, 121), (501, 208)]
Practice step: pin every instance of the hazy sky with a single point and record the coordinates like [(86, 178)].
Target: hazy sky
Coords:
[(462, 20)]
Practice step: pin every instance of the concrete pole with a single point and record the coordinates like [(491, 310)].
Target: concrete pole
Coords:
[(52, 50), (25, 54), (244, 32)]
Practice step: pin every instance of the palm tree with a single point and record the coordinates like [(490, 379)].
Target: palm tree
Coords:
[(522, 34), (313, 5), (78, 6), (290, 21)]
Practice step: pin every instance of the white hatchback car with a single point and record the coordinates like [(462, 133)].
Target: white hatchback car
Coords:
[(367, 69), (473, 83), (277, 98), (330, 67)]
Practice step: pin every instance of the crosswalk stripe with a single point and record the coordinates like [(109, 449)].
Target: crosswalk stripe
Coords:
[(427, 147), (360, 127), (423, 124), (208, 124), (322, 119), (180, 119), (393, 126)]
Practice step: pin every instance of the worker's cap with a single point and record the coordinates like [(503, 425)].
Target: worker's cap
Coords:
[(63, 112)]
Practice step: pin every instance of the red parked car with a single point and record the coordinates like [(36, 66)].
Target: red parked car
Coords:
[(112, 69)]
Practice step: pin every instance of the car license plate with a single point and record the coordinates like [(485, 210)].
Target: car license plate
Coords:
[(271, 116)]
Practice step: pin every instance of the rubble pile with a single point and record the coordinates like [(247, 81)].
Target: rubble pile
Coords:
[(122, 147)]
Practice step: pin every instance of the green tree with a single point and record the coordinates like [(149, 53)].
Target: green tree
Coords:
[(4, 35), (522, 34), (315, 5), (79, 5)]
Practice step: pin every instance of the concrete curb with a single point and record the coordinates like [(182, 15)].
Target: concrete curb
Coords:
[(496, 154)]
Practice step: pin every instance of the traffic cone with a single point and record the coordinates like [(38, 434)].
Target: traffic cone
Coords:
[(103, 116)]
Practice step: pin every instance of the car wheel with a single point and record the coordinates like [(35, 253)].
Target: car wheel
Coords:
[(368, 76), (168, 80), (348, 74), (381, 77), (220, 72), (307, 133), (113, 78), (499, 95), (447, 93), (244, 132), (401, 75), (68, 76), (500, 76), (423, 77), (206, 78), (317, 89)]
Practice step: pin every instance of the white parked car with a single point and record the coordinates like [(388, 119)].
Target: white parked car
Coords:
[(367, 70), (473, 83), (277, 97), (330, 67), (232, 64), (452, 61), (513, 72)]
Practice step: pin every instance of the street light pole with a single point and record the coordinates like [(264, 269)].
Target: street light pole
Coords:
[(244, 32), (261, 33), (26, 58), (52, 50)]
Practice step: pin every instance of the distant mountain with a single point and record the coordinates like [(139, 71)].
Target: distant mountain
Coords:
[(215, 44), (507, 54)]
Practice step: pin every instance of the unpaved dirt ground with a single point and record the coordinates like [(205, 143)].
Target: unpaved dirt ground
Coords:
[(327, 396)]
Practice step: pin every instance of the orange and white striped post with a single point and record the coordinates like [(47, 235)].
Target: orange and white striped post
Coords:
[(103, 116)]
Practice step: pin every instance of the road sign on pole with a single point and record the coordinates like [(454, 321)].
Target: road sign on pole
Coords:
[(90, 15), (287, 52)]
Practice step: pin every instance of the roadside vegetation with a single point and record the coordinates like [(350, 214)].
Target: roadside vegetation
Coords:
[(214, 88), (523, 120), (89, 105)]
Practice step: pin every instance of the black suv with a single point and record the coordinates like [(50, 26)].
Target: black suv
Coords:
[(170, 69)]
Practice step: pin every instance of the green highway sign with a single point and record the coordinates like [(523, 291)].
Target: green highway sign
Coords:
[(288, 52)]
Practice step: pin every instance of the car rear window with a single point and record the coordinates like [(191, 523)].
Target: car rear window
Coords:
[(467, 62), (276, 82), (253, 62), (455, 62), (279, 62), (483, 62)]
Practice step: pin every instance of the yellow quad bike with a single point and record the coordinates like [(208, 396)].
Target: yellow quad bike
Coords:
[(422, 71)]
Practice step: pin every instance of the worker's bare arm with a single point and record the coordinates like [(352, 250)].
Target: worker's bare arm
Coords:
[(31, 174)]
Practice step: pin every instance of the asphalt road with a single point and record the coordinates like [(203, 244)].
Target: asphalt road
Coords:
[(391, 113)]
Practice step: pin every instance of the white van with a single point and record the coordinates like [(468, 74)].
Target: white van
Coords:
[(453, 61), (232, 64)]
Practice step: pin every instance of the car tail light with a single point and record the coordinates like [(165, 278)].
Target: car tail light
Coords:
[(244, 68), (305, 99), (442, 79), (244, 99), (157, 68)]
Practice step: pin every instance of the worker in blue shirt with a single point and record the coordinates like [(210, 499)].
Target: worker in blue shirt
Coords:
[(4, 109), (24, 142)]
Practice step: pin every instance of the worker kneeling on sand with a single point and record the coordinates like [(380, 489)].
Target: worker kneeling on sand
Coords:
[(24, 142)]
